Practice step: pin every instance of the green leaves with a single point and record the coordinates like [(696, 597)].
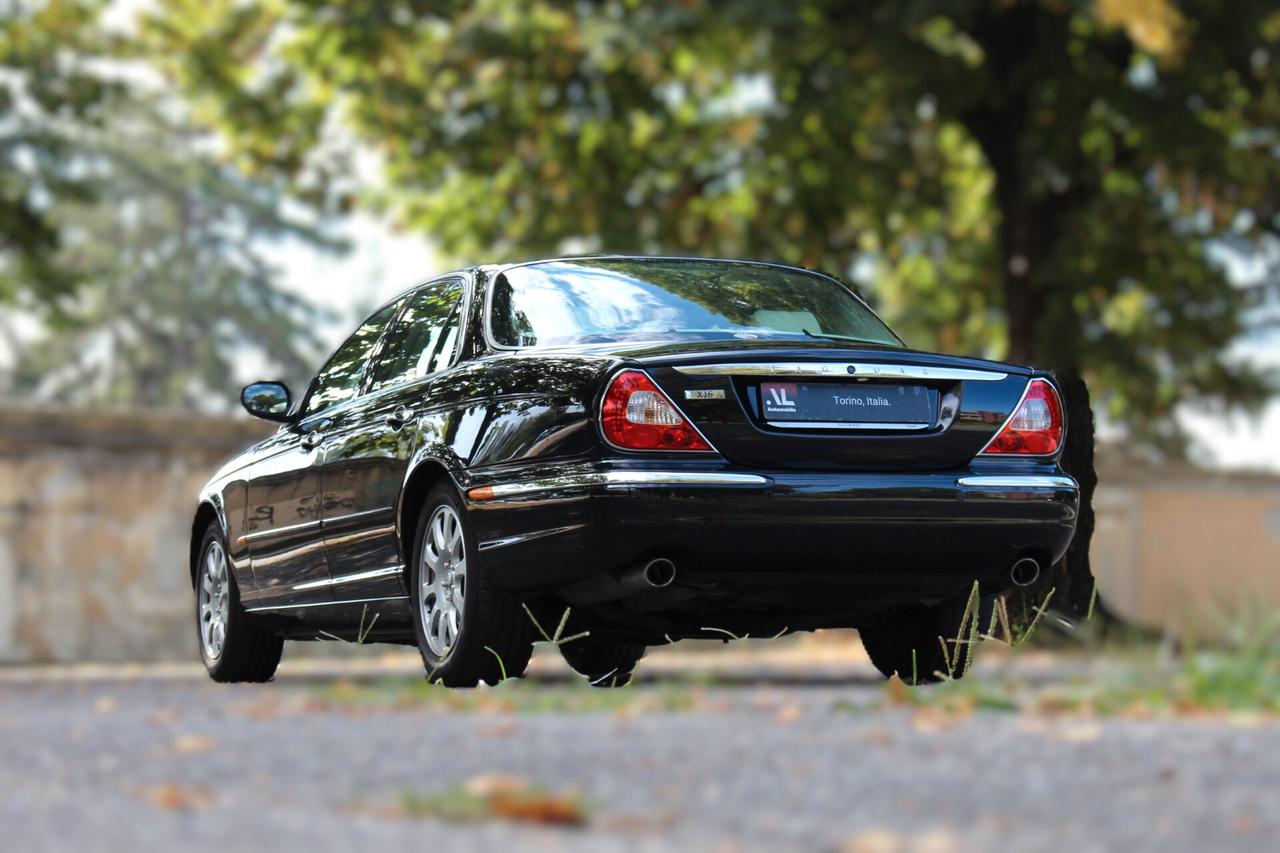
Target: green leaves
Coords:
[(999, 177)]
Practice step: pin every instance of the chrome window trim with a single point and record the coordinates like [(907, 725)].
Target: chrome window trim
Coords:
[(600, 415), (861, 370), (325, 603), (1018, 481), (354, 577), (494, 272), (625, 479)]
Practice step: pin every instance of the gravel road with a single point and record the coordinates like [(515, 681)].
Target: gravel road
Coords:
[(178, 762)]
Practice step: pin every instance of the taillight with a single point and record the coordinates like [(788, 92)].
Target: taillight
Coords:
[(636, 415), (1036, 427)]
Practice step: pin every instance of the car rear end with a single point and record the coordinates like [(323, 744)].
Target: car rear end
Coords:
[(782, 485)]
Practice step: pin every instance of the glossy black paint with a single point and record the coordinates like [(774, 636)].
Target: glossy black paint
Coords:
[(319, 517)]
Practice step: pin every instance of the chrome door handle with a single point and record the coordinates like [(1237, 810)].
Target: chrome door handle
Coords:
[(401, 416), (312, 439)]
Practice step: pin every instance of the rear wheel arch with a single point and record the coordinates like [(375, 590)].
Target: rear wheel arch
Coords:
[(421, 480)]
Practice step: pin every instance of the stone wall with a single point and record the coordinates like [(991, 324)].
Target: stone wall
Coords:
[(95, 517), (95, 514)]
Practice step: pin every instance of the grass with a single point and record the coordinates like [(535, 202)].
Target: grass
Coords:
[(1237, 674)]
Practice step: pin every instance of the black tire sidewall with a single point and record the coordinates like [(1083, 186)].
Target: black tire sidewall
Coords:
[(236, 618)]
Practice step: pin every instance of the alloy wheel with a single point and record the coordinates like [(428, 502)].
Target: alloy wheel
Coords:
[(442, 580), (215, 601)]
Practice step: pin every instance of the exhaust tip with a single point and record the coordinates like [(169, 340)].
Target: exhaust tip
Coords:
[(659, 572), (1025, 572)]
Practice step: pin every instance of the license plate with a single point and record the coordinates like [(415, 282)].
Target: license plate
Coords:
[(800, 404)]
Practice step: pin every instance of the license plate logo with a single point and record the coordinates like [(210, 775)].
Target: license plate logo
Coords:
[(780, 398)]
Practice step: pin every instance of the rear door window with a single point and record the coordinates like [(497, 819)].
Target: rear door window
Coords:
[(423, 340)]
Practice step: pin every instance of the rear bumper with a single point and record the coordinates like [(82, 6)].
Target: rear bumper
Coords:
[(745, 534)]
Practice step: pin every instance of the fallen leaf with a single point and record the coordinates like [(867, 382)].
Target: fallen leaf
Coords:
[(539, 808), (931, 720), (788, 714), (1083, 732), (874, 841), (194, 743), (172, 797), (899, 693), (495, 784), (105, 704)]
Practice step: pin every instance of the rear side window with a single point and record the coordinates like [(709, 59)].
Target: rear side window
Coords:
[(423, 340), (339, 380)]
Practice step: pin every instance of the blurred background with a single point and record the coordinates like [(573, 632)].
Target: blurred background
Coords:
[(199, 193)]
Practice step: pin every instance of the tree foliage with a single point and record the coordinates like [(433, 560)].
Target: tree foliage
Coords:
[(1030, 178), (49, 92), (177, 296)]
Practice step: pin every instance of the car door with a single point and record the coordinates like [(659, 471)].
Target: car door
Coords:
[(283, 530), (372, 441)]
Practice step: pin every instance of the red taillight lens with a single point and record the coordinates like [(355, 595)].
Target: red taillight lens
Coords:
[(1036, 427), (636, 415)]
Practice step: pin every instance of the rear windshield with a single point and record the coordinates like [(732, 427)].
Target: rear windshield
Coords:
[(614, 300)]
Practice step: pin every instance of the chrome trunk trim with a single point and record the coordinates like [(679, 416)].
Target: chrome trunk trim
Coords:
[(855, 369)]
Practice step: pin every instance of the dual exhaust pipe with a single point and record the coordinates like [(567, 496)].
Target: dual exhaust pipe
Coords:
[(660, 572)]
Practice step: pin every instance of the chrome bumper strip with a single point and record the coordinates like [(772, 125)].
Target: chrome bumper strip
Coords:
[(856, 369), (624, 479), (1018, 481)]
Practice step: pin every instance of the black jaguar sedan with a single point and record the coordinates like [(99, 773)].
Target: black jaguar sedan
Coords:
[(628, 451)]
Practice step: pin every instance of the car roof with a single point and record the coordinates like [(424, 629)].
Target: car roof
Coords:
[(494, 270), (501, 268)]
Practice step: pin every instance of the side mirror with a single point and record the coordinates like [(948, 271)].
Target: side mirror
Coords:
[(266, 400)]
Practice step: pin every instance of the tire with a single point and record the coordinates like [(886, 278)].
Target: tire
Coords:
[(232, 647), (605, 663), (917, 628), (489, 637)]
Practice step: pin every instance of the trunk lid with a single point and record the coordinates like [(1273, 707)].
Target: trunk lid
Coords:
[(835, 406)]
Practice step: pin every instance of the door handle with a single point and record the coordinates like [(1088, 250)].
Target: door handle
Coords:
[(312, 439), (401, 416), (314, 435)]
